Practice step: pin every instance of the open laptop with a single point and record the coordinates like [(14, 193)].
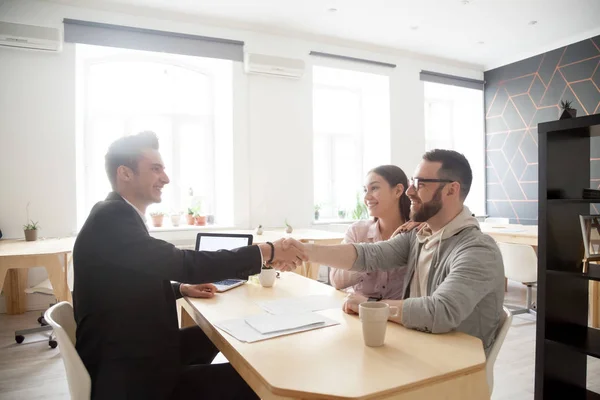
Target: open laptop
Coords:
[(223, 241)]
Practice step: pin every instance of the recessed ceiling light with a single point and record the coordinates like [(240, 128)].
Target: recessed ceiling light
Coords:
[(414, 27), (332, 10), (532, 22)]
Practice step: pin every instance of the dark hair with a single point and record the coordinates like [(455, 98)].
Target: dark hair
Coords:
[(455, 166), (127, 151), (394, 176)]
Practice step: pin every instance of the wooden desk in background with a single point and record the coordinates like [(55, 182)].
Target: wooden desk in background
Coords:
[(519, 234), (17, 256), (333, 362)]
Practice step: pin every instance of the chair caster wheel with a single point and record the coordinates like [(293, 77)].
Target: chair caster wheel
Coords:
[(53, 343), (19, 338), (40, 319)]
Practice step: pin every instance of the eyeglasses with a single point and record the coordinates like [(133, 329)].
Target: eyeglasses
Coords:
[(414, 182)]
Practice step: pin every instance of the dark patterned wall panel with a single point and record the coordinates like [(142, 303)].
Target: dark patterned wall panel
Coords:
[(517, 98)]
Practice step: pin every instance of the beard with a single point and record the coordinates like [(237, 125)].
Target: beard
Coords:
[(429, 209)]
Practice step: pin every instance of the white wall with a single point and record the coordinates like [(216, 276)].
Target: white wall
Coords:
[(272, 122)]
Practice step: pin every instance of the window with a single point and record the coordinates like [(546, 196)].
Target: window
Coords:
[(454, 120), (181, 99), (351, 135)]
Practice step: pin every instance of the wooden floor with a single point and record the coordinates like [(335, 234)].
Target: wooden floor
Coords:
[(34, 371)]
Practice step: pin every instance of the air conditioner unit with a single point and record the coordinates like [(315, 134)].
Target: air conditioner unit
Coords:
[(273, 66), (30, 37)]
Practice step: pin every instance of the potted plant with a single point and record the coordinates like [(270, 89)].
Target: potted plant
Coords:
[(288, 227), (199, 220), (31, 231), (157, 218), (568, 112), (267, 276), (259, 230), (189, 217), (342, 214), (360, 209), (175, 218), (317, 211)]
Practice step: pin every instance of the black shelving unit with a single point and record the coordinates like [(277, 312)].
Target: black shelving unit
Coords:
[(563, 339)]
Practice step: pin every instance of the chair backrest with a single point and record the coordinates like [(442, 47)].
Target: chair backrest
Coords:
[(500, 336), (520, 262), (496, 220), (61, 318)]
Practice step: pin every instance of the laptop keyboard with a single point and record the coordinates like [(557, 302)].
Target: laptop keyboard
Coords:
[(227, 282)]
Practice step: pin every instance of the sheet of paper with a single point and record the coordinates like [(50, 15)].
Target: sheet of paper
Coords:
[(239, 329), (269, 323), (299, 305)]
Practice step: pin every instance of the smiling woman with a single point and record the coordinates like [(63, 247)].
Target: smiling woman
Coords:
[(385, 198)]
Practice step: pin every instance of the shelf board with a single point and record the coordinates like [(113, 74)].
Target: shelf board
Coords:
[(579, 338), (588, 121), (593, 273), (555, 389), (562, 201)]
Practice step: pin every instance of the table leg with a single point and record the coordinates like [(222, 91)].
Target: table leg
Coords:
[(58, 277), (14, 291)]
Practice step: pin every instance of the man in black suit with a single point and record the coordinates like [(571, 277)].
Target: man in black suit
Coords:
[(124, 297)]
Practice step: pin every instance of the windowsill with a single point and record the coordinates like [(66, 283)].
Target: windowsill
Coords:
[(188, 228), (332, 221)]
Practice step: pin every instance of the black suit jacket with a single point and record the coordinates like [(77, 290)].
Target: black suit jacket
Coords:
[(123, 298)]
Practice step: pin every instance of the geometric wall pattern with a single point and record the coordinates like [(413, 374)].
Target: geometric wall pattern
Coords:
[(518, 96)]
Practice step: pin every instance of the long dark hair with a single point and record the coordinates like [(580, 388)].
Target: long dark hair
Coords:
[(394, 176)]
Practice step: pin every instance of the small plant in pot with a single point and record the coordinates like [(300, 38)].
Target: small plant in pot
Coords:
[(199, 220), (317, 211), (267, 276), (288, 227), (189, 217), (31, 231), (175, 218), (259, 230), (342, 214), (157, 218), (568, 111)]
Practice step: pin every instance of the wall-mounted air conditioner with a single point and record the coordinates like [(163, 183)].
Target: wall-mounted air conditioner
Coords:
[(30, 37), (273, 66)]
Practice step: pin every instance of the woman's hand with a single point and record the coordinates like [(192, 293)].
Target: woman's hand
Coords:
[(352, 301), (407, 227)]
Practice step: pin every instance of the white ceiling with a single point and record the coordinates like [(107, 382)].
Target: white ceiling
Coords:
[(446, 28)]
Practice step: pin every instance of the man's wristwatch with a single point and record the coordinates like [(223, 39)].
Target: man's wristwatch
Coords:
[(375, 298)]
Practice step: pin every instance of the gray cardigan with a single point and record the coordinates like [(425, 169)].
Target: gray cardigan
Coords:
[(465, 288)]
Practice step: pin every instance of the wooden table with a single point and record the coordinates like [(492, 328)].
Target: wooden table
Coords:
[(519, 234), (16, 256), (333, 362)]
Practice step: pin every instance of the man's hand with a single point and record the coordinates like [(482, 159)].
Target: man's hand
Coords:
[(289, 253), (352, 301), (203, 291), (407, 227)]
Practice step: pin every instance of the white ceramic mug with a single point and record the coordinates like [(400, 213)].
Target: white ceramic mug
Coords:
[(374, 317), (267, 277)]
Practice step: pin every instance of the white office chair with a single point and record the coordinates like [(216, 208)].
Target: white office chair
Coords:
[(44, 288), (61, 318), (500, 336), (497, 221), (520, 264)]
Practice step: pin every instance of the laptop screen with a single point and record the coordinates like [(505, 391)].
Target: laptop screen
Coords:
[(214, 242)]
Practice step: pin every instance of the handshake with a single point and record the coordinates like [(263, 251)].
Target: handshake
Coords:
[(288, 253)]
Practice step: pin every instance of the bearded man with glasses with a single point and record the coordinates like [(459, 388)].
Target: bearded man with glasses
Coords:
[(455, 274)]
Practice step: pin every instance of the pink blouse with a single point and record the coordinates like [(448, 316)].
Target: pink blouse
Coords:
[(387, 284)]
